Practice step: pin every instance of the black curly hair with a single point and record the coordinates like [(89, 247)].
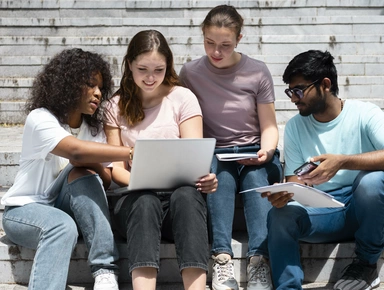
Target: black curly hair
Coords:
[(60, 85)]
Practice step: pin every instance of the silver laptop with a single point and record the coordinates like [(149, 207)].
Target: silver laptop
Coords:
[(166, 164)]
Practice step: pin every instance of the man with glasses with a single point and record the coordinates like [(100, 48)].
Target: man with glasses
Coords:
[(346, 140)]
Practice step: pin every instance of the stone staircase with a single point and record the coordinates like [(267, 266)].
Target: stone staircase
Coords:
[(33, 31)]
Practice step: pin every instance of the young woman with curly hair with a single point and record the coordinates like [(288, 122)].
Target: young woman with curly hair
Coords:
[(59, 186), (151, 104)]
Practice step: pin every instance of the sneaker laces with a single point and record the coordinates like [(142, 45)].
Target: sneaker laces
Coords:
[(224, 270), (258, 272)]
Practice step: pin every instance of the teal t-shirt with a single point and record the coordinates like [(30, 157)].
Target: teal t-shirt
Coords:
[(358, 129)]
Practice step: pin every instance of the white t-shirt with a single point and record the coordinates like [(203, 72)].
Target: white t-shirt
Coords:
[(39, 168)]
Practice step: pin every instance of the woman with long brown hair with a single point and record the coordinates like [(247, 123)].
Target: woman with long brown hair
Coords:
[(151, 104)]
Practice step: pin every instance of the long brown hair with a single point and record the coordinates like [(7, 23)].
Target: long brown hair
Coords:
[(130, 103)]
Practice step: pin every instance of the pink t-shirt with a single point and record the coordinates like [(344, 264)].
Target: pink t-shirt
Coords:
[(229, 98), (161, 121)]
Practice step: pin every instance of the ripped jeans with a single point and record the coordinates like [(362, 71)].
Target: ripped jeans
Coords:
[(53, 231)]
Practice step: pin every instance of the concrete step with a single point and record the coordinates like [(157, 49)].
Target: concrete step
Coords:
[(10, 148), (374, 79), (322, 263), (169, 286), (122, 286), (107, 27), (122, 7)]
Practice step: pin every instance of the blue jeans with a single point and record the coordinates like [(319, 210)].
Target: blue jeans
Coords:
[(144, 217), (233, 177), (362, 220), (52, 232)]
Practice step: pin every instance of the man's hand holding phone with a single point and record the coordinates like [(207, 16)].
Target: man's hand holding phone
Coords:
[(329, 165), (306, 168), (303, 171)]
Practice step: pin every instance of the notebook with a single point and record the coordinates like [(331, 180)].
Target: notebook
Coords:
[(165, 164), (306, 195), (235, 156)]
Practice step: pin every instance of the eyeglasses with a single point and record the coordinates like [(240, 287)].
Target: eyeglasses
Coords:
[(298, 92)]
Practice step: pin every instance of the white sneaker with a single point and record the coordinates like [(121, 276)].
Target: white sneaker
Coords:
[(106, 281), (258, 274), (223, 275)]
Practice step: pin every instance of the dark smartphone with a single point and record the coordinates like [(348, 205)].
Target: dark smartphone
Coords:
[(305, 168)]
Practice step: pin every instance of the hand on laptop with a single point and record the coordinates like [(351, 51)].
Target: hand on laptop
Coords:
[(207, 184)]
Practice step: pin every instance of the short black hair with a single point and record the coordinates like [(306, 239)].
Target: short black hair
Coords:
[(313, 65)]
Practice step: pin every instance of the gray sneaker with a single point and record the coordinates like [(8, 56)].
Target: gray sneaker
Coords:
[(223, 275), (258, 274)]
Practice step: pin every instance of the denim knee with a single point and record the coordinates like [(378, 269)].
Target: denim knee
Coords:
[(368, 191), (21, 227), (279, 217), (189, 226), (138, 218), (51, 232), (141, 208), (188, 197), (286, 220), (369, 182)]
